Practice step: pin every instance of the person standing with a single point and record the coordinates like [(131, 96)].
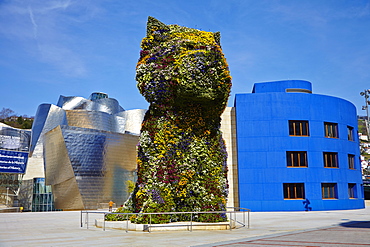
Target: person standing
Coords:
[(110, 205)]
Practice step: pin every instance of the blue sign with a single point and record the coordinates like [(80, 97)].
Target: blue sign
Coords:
[(13, 161)]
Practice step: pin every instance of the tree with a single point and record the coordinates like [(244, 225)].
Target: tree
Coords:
[(27, 124), (5, 113), (20, 120)]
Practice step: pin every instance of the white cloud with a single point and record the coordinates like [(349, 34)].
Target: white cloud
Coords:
[(33, 22), (47, 23)]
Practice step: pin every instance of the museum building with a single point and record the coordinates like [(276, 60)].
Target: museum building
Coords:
[(83, 152)]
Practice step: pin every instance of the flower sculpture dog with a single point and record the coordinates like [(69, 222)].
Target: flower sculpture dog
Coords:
[(184, 76)]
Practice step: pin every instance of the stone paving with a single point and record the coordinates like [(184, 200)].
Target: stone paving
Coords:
[(315, 228)]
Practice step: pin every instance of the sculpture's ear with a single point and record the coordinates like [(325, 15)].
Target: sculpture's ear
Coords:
[(217, 36), (154, 24)]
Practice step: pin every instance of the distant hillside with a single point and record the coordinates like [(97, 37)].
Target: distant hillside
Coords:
[(18, 122), (8, 117), (361, 125)]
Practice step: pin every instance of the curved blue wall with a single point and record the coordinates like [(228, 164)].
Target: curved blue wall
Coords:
[(263, 140)]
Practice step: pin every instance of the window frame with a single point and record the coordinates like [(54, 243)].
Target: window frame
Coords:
[(298, 191), (332, 192), (292, 160), (331, 130), (350, 135), (332, 162), (352, 191), (351, 161), (294, 129)]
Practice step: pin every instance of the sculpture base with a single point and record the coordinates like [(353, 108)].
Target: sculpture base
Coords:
[(174, 226)]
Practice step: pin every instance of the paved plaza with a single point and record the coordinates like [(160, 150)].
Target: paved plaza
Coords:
[(315, 228)]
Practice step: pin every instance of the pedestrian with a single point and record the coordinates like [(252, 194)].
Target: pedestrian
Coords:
[(110, 205)]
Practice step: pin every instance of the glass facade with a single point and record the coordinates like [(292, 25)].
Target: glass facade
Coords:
[(42, 200)]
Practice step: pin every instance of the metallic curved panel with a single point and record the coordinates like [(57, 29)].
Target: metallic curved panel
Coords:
[(99, 162), (72, 102), (91, 120), (134, 118), (120, 124), (108, 105), (47, 117), (59, 172)]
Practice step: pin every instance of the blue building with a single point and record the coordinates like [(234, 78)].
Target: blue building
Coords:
[(297, 150)]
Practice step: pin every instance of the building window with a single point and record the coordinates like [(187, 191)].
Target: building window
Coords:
[(329, 191), (331, 130), (350, 133), (351, 161), (298, 128), (352, 190), (330, 160), (296, 158), (293, 191)]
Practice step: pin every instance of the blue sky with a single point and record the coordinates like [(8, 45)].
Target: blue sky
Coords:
[(76, 47)]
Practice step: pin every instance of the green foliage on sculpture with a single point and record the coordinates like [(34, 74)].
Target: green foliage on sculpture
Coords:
[(184, 76)]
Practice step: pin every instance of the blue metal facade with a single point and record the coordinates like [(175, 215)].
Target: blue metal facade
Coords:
[(262, 120)]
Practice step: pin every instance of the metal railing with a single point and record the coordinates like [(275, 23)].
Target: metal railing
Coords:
[(242, 222)]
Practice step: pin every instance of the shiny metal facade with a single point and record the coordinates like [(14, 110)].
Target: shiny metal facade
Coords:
[(86, 167), (88, 150)]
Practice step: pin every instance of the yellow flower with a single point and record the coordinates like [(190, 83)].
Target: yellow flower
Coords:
[(140, 192), (183, 181), (183, 192)]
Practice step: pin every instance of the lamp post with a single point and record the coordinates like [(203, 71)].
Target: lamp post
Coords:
[(366, 93), (7, 196)]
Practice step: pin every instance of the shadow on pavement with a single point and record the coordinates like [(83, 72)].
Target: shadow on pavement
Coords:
[(356, 224)]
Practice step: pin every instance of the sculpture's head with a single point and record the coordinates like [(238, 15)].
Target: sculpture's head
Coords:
[(179, 64)]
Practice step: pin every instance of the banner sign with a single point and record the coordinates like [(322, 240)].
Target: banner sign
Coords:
[(14, 148), (13, 162), (14, 139)]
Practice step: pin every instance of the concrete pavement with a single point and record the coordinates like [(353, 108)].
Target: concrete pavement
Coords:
[(315, 228)]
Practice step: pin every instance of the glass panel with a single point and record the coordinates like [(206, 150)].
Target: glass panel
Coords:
[(293, 190), (285, 191), (300, 191), (351, 161), (352, 190), (295, 159), (291, 128), (331, 130), (42, 197), (350, 133), (302, 161), (330, 160), (298, 128), (329, 191), (304, 129)]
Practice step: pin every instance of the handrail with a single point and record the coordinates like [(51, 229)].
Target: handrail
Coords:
[(150, 225)]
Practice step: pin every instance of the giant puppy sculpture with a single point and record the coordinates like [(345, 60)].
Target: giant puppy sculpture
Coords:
[(184, 76)]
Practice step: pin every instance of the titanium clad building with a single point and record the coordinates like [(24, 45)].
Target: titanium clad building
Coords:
[(86, 150), (87, 166), (297, 150)]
